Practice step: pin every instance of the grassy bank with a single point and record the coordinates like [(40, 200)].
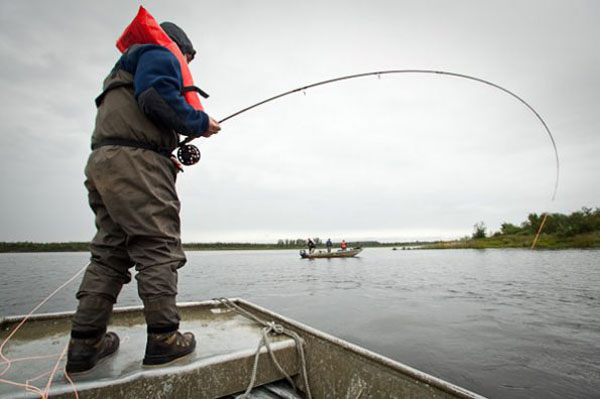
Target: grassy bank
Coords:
[(25, 246), (546, 241)]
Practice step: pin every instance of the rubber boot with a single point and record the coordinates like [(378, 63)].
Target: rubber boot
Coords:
[(162, 349), (84, 354)]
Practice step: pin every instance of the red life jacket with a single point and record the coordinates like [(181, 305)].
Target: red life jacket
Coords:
[(145, 30)]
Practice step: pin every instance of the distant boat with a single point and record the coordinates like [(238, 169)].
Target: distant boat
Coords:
[(333, 254)]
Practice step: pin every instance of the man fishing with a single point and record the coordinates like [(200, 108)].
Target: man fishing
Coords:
[(130, 178)]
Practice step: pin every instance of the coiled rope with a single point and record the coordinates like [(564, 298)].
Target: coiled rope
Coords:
[(270, 327)]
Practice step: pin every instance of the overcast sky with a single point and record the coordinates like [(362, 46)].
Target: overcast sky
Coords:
[(397, 158)]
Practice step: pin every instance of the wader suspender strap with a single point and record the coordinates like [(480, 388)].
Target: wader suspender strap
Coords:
[(114, 85)]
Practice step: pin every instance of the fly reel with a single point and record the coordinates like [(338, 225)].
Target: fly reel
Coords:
[(188, 154)]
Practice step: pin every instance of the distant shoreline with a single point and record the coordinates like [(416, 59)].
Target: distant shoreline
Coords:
[(546, 241), (550, 241), (24, 247)]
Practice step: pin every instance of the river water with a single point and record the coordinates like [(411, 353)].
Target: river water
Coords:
[(502, 323)]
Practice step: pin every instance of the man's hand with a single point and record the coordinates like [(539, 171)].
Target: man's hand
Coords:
[(213, 127), (177, 164)]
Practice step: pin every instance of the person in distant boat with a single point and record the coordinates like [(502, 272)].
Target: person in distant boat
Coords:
[(344, 245), (311, 245), (131, 190), (329, 244)]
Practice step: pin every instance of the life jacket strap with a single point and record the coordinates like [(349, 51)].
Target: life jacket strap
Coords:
[(116, 85), (196, 89), (133, 144)]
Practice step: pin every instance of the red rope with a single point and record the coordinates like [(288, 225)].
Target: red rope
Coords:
[(8, 362)]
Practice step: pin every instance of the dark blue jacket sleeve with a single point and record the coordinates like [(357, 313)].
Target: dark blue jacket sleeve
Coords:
[(158, 84)]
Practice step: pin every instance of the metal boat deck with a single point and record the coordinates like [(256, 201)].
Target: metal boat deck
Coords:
[(226, 346)]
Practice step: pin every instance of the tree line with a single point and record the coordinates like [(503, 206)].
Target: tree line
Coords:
[(586, 220)]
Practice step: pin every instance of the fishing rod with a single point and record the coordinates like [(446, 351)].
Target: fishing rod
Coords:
[(189, 154)]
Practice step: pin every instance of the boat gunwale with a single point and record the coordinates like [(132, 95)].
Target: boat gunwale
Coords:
[(375, 357), (338, 254), (123, 309)]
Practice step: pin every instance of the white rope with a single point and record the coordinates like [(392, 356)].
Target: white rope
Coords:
[(270, 327)]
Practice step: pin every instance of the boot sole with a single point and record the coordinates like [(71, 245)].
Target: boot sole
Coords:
[(182, 359), (84, 372)]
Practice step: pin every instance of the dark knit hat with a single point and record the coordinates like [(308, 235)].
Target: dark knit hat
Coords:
[(179, 37)]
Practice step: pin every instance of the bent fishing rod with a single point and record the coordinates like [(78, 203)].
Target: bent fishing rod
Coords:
[(189, 154)]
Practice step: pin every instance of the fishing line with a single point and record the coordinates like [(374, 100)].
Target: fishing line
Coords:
[(43, 394), (194, 150)]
